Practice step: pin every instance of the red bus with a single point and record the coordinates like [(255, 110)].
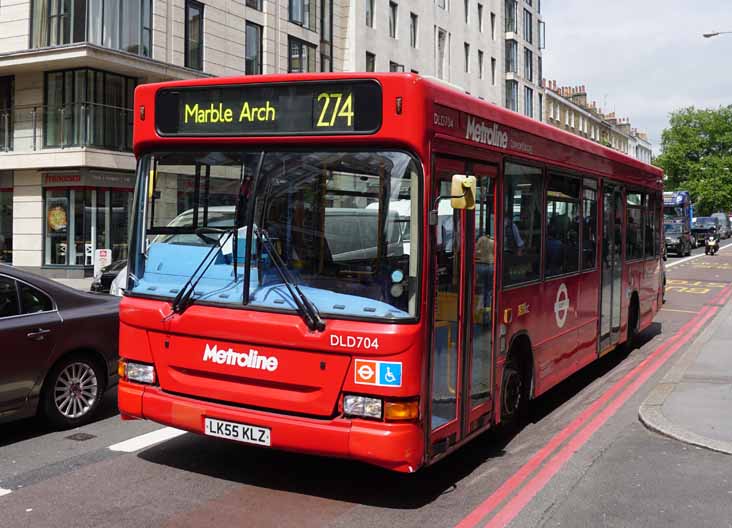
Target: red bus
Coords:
[(371, 266)]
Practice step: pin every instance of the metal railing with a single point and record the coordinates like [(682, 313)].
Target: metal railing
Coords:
[(32, 128)]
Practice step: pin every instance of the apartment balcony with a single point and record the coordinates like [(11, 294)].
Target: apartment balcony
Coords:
[(74, 135), (85, 54)]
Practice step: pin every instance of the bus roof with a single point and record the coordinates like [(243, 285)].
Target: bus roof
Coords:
[(410, 106)]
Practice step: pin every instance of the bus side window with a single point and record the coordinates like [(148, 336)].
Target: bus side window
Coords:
[(521, 224), (589, 224)]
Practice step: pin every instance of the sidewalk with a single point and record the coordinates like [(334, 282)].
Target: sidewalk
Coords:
[(80, 284), (693, 402)]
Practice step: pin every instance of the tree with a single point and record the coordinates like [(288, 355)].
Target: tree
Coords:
[(697, 156)]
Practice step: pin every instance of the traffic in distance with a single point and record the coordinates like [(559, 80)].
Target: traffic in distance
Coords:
[(684, 232), (380, 268)]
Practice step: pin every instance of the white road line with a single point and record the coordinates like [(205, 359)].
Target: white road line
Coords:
[(5, 492), (693, 257), (147, 440)]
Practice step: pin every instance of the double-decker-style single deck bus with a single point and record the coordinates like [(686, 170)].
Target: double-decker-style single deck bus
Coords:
[(371, 266)]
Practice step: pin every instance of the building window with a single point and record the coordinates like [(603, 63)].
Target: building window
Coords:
[(528, 27), (466, 48), (467, 8), (255, 4), (541, 107), (528, 102), (370, 13), (393, 8), (480, 64), (512, 95), (88, 107), (441, 55), (480, 18), (395, 67), (528, 65), (6, 217), (442, 4), (80, 220), (493, 71), (194, 35), (6, 114), (540, 68), (511, 56), (302, 13), (301, 56), (511, 16), (493, 26), (542, 34), (123, 25), (253, 58), (326, 35), (370, 62), (413, 29)]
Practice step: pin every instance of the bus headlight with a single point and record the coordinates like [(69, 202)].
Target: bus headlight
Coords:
[(362, 406), (137, 372)]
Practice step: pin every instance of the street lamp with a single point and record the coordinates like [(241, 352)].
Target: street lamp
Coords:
[(715, 33)]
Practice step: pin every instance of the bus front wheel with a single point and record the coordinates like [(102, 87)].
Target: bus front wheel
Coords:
[(515, 391)]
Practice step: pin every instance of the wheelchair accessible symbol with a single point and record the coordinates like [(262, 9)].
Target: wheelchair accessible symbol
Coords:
[(379, 373)]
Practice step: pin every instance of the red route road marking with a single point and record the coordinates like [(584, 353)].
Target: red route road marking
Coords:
[(506, 514), (508, 487)]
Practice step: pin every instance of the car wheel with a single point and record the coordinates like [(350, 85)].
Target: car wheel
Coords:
[(73, 391)]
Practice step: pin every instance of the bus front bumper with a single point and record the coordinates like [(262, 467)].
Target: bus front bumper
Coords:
[(394, 446)]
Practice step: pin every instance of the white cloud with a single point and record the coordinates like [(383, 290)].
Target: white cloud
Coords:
[(646, 58)]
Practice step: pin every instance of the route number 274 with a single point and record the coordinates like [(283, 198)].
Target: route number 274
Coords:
[(333, 106)]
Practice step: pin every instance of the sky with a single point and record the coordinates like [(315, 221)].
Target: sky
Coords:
[(642, 59)]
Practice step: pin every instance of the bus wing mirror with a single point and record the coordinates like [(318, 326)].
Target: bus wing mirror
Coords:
[(463, 192)]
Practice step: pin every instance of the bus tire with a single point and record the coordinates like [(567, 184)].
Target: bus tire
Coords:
[(633, 321), (515, 388)]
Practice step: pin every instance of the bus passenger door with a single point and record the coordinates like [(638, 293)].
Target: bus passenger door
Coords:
[(461, 353), (480, 258), (612, 266)]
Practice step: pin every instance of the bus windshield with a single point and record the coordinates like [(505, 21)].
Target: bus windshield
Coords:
[(672, 229), (332, 218)]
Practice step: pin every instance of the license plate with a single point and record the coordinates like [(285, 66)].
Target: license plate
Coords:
[(249, 434)]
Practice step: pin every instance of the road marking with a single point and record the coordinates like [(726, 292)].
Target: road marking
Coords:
[(147, 440), (693, 257), (585, 424), (680, 311), (5, 492)]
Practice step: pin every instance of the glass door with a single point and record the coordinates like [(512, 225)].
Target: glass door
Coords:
[(480, 259), (462, 337), (447, 333), (612, 266)]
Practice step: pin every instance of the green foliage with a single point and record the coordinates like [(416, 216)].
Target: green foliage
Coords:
[(697, 156)]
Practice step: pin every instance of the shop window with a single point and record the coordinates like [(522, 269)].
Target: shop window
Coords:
[(562, 245), (80, 221), (521, 224)]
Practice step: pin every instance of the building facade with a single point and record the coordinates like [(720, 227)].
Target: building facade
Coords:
[(568, 108), (68, 71)]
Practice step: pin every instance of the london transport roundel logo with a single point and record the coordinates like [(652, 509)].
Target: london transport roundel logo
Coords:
[(561, 305), (365, 372)]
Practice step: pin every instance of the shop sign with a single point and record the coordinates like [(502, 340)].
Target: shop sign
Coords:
[(86, 178)]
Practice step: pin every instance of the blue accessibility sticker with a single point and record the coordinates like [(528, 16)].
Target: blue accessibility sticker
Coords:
[(390, 374)]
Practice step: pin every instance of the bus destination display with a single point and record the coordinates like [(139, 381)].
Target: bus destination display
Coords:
[(276, 109)]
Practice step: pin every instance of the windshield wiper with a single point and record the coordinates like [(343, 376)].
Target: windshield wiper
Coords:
[(185, 296), (308, 311)]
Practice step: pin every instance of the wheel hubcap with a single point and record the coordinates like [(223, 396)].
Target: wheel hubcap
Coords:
[(512, 393), (76, 390)]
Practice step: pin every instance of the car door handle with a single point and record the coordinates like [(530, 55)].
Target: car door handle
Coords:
[(38, 334)]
